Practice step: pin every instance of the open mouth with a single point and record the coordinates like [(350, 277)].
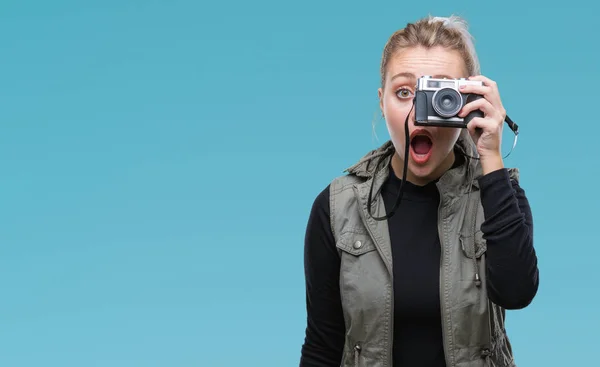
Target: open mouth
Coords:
[(421, 146)]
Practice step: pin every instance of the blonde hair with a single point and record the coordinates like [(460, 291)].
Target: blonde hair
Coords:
[(448, 32)]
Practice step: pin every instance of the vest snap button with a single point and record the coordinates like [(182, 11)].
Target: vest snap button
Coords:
[(357, 244)]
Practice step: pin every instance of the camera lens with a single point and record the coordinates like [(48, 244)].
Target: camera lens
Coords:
[(447, 102)]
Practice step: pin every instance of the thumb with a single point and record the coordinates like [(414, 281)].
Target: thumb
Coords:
[(474, 129)]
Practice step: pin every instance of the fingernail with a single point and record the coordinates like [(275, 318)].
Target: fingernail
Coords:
[(462, 86)]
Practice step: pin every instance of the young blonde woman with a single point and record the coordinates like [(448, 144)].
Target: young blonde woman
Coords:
[(421, 279)]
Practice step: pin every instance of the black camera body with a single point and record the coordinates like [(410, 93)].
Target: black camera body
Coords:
[(438, 102)]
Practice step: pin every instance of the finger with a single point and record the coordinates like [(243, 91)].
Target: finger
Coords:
[(486, 92), (479, 125), (486, 81), (482, 90), (489, 90), (475, 127), (483, 123), (481, 104)]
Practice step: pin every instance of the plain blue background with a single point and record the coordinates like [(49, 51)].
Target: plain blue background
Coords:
[(158, 161)]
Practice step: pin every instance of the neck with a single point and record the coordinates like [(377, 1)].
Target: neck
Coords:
[(398, 165)]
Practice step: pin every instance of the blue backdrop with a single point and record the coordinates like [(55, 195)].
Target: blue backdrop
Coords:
[(159, 160)]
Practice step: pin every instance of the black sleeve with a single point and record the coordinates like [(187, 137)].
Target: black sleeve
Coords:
[(325, 330), (512, 271)]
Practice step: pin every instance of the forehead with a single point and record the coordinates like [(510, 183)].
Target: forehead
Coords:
[(420, 61)]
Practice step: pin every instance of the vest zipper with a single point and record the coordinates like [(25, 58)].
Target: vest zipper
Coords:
[(357, 349), (443, 281)]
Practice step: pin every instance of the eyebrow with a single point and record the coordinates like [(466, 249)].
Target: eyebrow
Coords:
[(413, 77)]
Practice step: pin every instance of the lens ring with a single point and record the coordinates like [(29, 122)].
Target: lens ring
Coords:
[(447, 102)]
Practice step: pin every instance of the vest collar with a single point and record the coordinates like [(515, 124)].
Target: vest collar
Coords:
[(456, 180)]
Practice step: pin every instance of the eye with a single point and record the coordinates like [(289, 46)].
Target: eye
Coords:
[(404, 93)]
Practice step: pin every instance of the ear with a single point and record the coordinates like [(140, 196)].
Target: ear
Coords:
[(380, 95)]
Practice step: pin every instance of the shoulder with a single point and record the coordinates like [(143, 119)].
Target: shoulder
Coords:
[(344, 205), (321, 201), (344, 182), (334, 199), (341, 190)]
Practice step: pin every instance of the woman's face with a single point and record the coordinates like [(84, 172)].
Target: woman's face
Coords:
[(431, 150)]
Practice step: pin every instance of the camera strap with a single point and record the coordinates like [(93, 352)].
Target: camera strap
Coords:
[(511, 124), (515, 129)]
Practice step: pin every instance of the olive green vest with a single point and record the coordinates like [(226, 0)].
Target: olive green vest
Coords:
[(473, 327)]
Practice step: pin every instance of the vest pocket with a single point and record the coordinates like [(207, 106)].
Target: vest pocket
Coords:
[(355, 243), (472, 245)]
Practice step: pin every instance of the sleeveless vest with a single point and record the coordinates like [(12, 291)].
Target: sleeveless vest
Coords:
[(473, 327)]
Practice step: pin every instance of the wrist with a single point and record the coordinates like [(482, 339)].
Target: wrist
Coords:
[(491, 162)]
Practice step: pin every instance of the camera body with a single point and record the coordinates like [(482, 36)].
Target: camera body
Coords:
[(438, 102)]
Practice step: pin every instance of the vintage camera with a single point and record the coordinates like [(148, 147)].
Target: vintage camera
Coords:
[(438, 101)]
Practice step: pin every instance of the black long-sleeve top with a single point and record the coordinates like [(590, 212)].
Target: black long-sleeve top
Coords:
[(512, 272)]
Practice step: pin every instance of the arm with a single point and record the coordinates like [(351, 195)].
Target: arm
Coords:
[(324, 340), (512, 272)]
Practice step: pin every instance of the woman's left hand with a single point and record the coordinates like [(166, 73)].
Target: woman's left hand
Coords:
[(486, 131)]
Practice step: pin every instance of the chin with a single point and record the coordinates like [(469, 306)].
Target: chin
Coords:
[(427, 169), (422, 172)]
